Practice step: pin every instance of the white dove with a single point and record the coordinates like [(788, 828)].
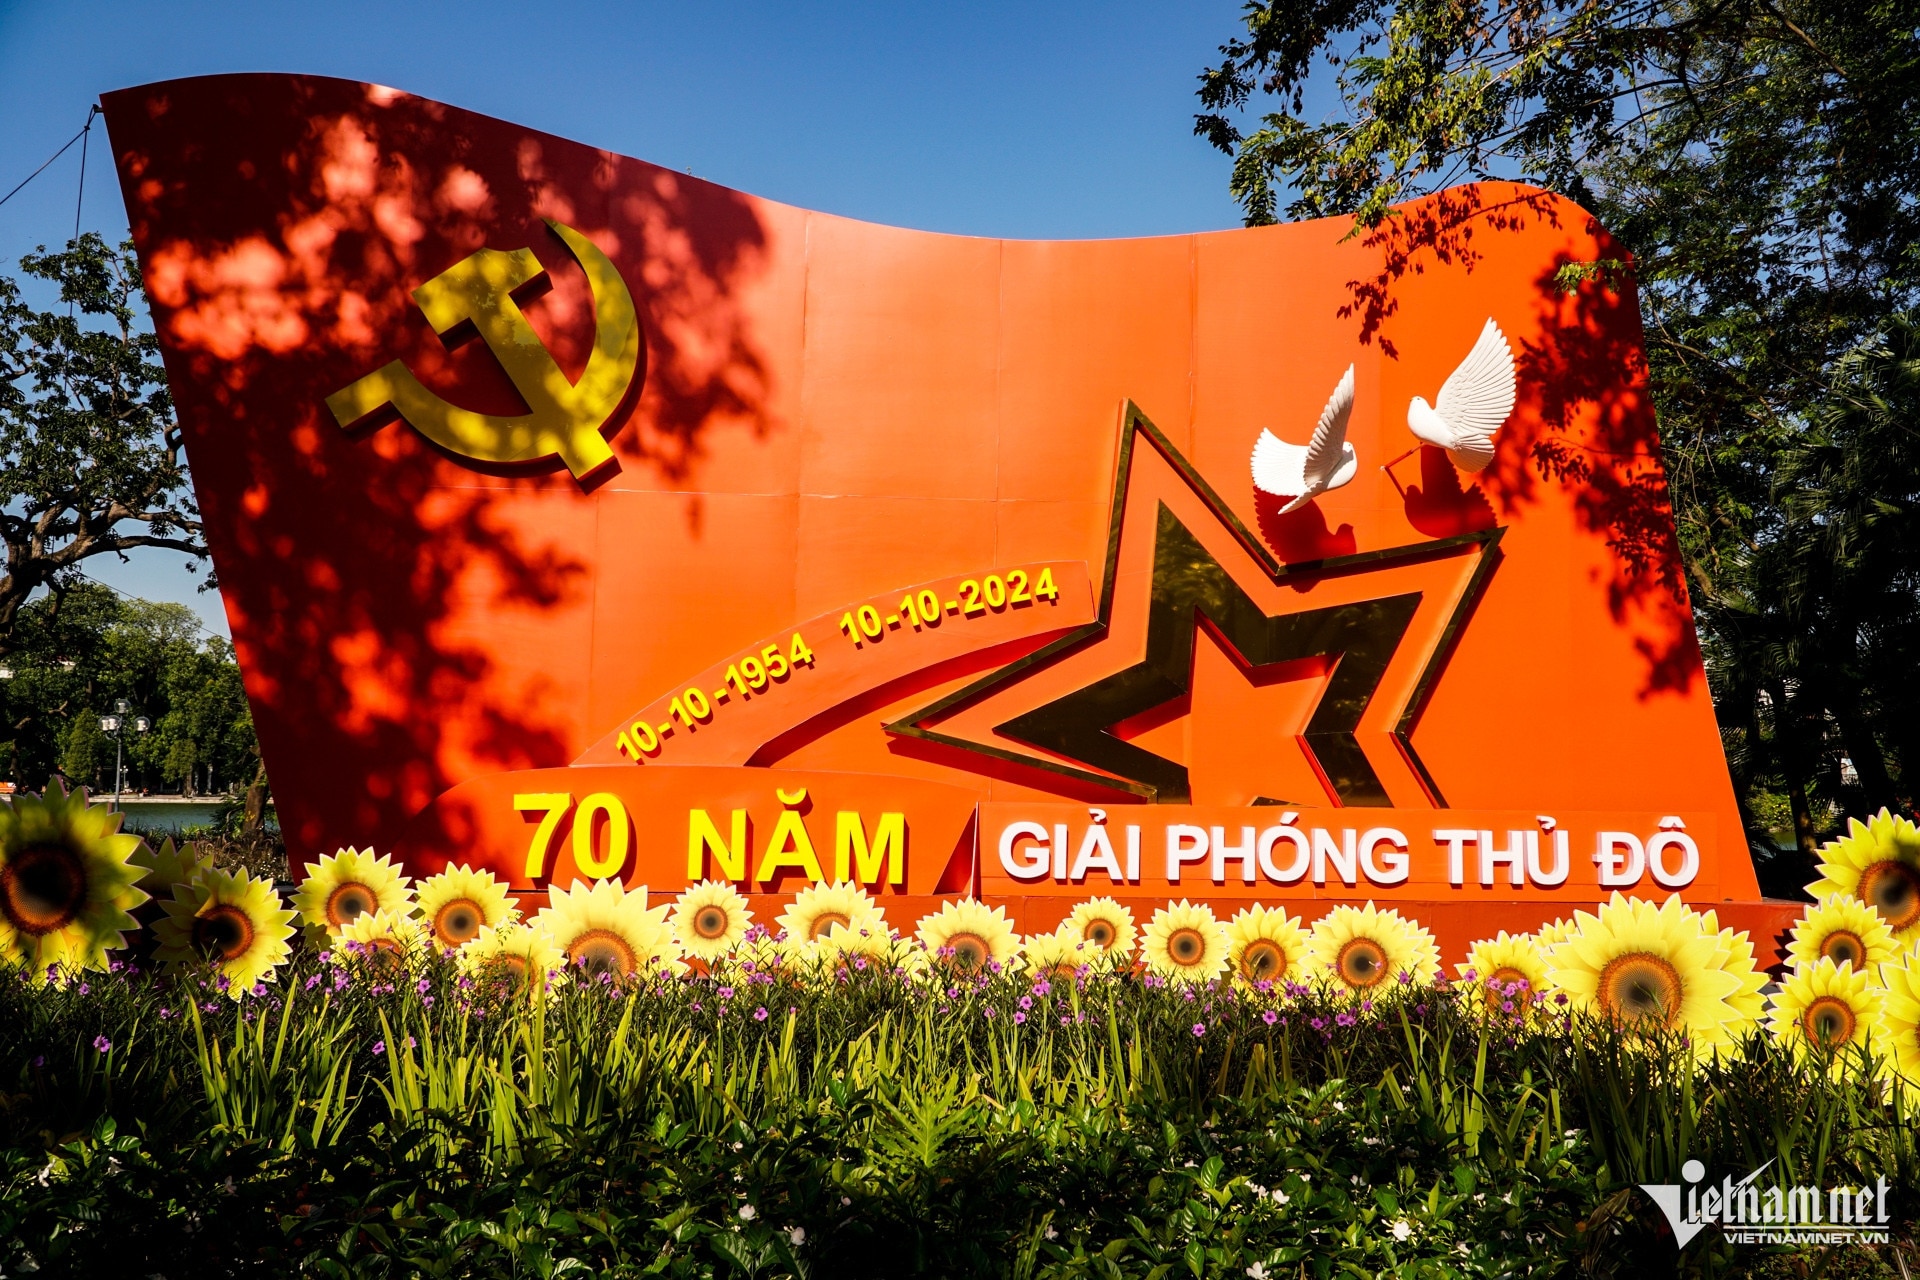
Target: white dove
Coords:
[(1304, 472), (1474, 404)]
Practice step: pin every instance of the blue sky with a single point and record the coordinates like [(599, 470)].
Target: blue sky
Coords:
[(1048, 121)]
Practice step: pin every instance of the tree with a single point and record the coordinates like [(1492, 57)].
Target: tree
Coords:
[(1760, 161), (81, 649), (90, 456)]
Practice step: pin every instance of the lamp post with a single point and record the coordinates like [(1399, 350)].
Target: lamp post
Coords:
[(114, 724)]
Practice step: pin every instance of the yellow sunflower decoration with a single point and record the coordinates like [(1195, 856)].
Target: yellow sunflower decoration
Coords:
[(1054, 957), (1878, 862), (172, 864), (1500, 964), (1103, 924), (384, 943), (459, 902), (67, 881), (710, 919), (1553, 933), (1826, 1008), (1658, 967), (1844, 930), (1749, 1003), (819, 907), (235, 922), (970, 934), (607, 928), (1265, 944), (1900, 1016), (1186, 943), (1364, 948), (513, 958), (343, 886)]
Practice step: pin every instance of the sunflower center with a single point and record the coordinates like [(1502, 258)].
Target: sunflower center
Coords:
[(1844, 947), (1101, 933), (603, 951), (223, 933), (385, 955), (1186, 947), (510, 971), (1262, 959), (458, 922), (1894, 889), (710, 922), (42, 888), (1638, 987), (824, 922), (1828, 1021), (1361, 963), (348, 903), (970, 950)]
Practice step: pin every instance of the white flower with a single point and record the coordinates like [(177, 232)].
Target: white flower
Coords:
[(1402, 1229), (1339, 1105), (748, 1213), (845, 1201), (1281, 1197), (797, 1235), (1258, 1271), (1051, 1233)]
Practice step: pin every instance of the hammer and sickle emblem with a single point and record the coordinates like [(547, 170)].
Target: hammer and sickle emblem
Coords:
[(566, 416)]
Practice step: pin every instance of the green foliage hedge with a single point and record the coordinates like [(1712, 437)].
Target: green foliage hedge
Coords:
[(401, 1123)]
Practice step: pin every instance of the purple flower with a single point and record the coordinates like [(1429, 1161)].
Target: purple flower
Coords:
[(1344, 1019), (1042, 987), (102, 1045), (987, 1012), (1026, 1002), (1269, 1017), (165, 1013), (259, 989), (313, 982), (695, 1006), (379, 1047), (1199, 1028), (1559, 997), (1420, 1011), (1318, 1024), (1065, 1021), (409, 1042), (760, 1014), (420, 987), (83, 989), (726, 993), (427, 1001), (1019, 1018)]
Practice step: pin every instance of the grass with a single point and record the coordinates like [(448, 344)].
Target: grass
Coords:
[(357, 1123)]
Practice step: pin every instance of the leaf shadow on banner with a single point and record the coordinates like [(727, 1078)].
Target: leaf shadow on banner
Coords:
[(374, 583), (1583, 420)]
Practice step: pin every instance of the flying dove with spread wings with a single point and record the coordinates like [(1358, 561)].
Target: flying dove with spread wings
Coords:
[(1474, 403), (1304, 472)]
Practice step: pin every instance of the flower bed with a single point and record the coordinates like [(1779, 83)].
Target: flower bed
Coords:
[(421, 1084)]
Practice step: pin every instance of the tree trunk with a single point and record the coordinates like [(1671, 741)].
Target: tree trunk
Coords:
[(1863, 748), (1789, 739), (257, 800)]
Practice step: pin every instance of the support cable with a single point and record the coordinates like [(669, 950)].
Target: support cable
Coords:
[(91, 113)]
